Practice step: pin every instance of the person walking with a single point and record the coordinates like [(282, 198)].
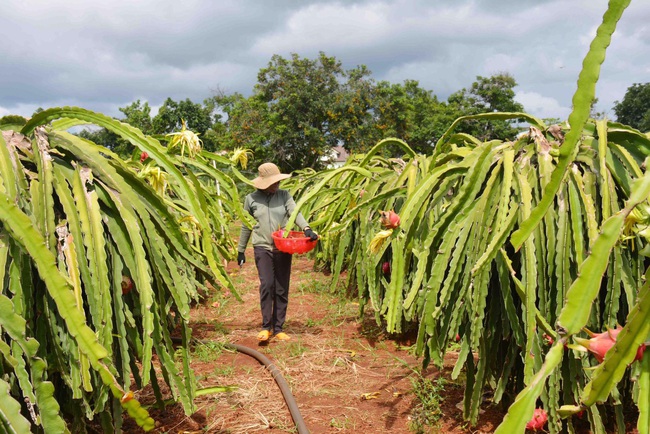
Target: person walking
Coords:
[(271, 207)]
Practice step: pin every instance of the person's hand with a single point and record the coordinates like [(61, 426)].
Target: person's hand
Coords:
[(311, 234), (241, 258)]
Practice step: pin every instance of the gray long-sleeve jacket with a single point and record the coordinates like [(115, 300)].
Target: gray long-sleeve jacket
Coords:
[(271, 211)]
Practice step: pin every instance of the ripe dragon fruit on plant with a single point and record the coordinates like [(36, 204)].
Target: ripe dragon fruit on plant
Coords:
[(127, 285), (600, 343), (538, 421), (389, 219)]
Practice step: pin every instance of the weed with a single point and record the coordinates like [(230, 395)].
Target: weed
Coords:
[(371, 330), (337, 340), (412, 351), (409, 349), (363, 345), (211, 406), (426, 414), (453, 347), (313, 286), (220, 328), (178, 355), (343, 423), (284, 426), (310, 323), (296, 349), (381, 345), (340, 311), (207, 352), (223, 371)]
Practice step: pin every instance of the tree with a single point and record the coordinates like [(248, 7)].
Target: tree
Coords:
[(196, 116), (245, 126), (199, 118), (14, 120), (634, 110), (302, 107), (594, 113), (107, 139), (139, 116), (171, 114), (411, 113), (300, 95), (487, 94), (299, 110), (354, 122)]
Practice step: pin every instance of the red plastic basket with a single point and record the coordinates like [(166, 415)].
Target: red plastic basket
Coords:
[(296, 242)]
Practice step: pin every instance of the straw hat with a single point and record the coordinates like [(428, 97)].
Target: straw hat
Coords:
[(269, 174)]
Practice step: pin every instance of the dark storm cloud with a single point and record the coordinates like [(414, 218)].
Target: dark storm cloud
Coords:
[(106, 54)]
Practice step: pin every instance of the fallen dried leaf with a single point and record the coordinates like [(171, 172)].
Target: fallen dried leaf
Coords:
[(370, 395)]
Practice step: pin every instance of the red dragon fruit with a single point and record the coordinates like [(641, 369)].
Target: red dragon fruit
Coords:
[(143, 157), (127, 285), (640, 351), (538, 421), (600, 343), (389, 219)]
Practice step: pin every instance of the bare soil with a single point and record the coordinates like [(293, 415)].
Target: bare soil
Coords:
[(345, 373)]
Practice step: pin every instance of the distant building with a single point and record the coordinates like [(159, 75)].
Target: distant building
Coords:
[(336, 158)]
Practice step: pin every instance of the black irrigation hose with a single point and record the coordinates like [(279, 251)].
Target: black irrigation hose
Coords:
[(277, 376), (282, 384)]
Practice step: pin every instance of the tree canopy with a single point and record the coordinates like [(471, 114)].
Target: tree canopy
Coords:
[(300, 108), (488, 94), (198, 117), (300, 95), (634, 110)]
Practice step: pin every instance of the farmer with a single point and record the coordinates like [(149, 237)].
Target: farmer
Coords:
[(271, 208)]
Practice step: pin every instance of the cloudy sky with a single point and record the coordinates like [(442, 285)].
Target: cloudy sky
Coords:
[(105, 54)]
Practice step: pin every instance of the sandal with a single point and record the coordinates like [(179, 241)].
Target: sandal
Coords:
[(282, 336), (263, 336)]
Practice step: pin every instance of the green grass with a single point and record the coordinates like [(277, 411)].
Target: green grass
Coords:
[(313, 286), (234, 228), (207, 352), (337, 310), (370, 329), (296, 349), (340, 311), (337, 340), (342, 423), (426, 414), (453, 347), (240, 281), (429, 395), (381, 345), (220, 328), (223, 371)]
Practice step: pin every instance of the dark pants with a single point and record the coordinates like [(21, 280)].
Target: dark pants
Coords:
[(274, 269)]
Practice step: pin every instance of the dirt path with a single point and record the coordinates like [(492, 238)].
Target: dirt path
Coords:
[(345, 373)]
